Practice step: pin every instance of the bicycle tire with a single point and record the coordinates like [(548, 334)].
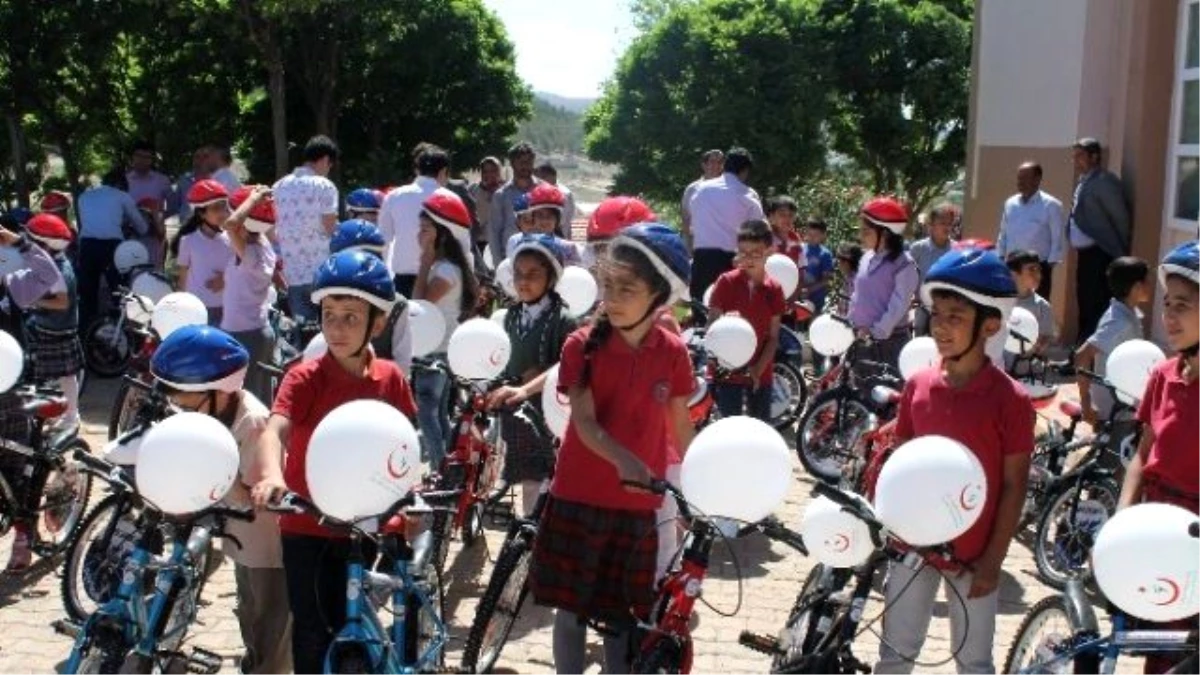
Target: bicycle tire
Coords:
[(125, 408), (419, 628), (350, 658), (799, 622), (1050, 568), (81, 487), (1021, 645), (442, 531), (512, 567), (100, 357), (666, 656), (783, 371), (821, 461)]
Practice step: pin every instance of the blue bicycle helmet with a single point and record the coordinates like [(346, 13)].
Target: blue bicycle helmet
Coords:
[(546, 246), (21, 215), (1184, 261), (521, 204), (200, 358), (975, 273), (356, 273), (665, 249), (357, 234), (363, 200)]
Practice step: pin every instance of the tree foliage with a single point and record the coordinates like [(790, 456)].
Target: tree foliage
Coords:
[(552, 129)]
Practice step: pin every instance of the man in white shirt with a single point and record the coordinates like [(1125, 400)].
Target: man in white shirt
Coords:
[(719, 207), (712, 163), (306, 212), (399, 216), (1033, 220)]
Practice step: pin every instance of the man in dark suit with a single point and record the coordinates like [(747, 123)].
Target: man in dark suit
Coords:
[(1099, 230)]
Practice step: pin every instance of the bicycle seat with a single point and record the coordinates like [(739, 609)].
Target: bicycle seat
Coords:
[(46, 408), (1071, 409)]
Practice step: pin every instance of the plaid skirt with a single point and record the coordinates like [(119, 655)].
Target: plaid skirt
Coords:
[(529, 449), (597, 563), (53, 355)]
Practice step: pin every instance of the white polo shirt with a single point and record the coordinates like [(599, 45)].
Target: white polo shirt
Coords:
[(718, 208), (399, 223)]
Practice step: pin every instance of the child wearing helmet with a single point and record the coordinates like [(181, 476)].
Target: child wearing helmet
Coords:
[(202, 249), (245, 299), (395, 342), (540, 212), (363, 204), (628, 380), (537, 327), (887, 279), (202, 369), (354, 292), (447, 280), (969, 399), (1167, 464), (607, 220)]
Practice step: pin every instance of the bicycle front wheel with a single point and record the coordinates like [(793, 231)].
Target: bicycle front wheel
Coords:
[(1068, 527), (828, 432), (1045, 641), (499, 607)]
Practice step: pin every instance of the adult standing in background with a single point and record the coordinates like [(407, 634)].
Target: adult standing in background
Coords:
[(712, 163), (928, 250), (149, 187), (1099, 230), (105, 213), (306, 214), (546, 172), (1032, 220), (719, 207), (222, 168), (399, 217), (490, 178), (502, 224), (177, 203)]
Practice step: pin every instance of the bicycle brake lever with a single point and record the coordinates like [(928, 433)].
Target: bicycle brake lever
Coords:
[(236, 542)]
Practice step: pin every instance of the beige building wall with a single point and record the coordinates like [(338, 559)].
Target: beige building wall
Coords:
[(1045, 73)]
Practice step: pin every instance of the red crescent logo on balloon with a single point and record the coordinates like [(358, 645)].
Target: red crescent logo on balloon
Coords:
[(1174, 588), (395, 473), (968, 499), (497, 357), (839, 543), (212, 494), (562, 399)]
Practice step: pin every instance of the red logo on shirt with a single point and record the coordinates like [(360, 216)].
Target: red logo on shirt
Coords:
[(661, 391), (402, 471)]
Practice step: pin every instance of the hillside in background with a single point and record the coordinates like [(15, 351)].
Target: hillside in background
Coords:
[(575, 105), (552, 128), (555, 129)]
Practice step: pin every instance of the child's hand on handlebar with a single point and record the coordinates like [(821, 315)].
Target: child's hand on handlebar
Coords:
[(267, 491), (507, 396)]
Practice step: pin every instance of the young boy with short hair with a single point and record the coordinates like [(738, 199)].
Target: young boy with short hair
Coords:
[(781, 215), (818, 264), (757, 298), (968, 399), (1130, 284), (1026, 269), (926, 251)]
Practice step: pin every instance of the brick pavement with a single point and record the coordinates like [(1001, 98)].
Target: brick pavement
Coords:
[(771, 577)]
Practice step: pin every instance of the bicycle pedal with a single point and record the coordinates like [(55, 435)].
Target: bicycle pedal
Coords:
[(66, 627), (764, 644), (204, 662)]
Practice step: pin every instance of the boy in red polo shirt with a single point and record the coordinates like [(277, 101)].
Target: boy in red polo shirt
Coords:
[(967, 398), (355, 294), (750, 293), (781, 215)]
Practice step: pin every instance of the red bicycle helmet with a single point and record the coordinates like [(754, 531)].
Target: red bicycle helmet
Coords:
[(444, 207), (206, 192), (262, 217), (50, 230), (546, 196), (887, 213), (54, 202), (615, 214)]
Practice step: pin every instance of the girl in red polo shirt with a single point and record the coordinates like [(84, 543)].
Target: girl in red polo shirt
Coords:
[(355, 294), (627, 378), (1167, 465)]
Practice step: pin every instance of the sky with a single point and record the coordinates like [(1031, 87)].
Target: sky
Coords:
[(566, 47)]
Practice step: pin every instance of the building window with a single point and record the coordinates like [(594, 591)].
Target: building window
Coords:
[(1183, 197)]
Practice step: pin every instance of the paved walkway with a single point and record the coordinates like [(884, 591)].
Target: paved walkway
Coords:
[(770, 578)]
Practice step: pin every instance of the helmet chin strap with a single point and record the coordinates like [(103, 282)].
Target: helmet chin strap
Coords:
[(371, 316), (654, 307), (976, 331)]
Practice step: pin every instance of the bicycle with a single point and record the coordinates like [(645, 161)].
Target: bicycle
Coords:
[(819, 634), (1075, 643), (417, 638), (45, 488), (141, 627), (113, 338), (666, 645)]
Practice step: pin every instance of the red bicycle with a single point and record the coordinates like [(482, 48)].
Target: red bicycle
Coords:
[(666, 645)]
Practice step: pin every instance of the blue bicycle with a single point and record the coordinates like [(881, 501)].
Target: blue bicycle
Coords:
[(416, 640), (140, 628)]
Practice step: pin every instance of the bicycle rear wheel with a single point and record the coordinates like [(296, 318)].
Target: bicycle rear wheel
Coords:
[(63, 501), (788, 394), (499, 607), (1068, 527), (799, 635), (828, 432), (124, 410), (1045, 642), (106, 349)]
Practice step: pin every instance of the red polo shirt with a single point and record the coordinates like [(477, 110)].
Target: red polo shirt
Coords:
[(792, 247), (756, 303), (991, 414), (630, 389), (310, 391), (1169, 409)]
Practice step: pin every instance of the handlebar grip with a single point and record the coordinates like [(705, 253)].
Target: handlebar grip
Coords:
[(92, 462), (235, 513), (290, 502)]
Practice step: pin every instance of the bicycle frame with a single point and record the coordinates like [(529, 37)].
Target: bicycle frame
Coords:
[(677, 597), (1122, 641), (473, 452)]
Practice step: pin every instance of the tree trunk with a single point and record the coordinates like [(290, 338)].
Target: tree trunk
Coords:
[(16, 141), (278, 93)]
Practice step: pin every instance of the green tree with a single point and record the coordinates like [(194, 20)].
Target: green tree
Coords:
[(901, 71), (714, 74), (552, 129)]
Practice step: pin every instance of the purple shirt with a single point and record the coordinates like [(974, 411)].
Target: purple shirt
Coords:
[(152, 185), (883, 293), (38, 278), (247, 284)]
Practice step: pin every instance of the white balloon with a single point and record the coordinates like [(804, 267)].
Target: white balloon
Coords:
[(315, 348), (488, 260), (830, 336), (919, 354), (12, 361), (556, 407), (478, 350), (578, 290), (272, 296), (150, 285), (10, 260), (1146, 563), (176, 311), (737, 467), (785, 272), (930, 491), (731, 341), (139, 309), (130, 254), (186, 463), (1128, 368), (363, 457), (1022, 322), (504, 277), (498, 316), (708, 295), (833, 536), (428, 327)]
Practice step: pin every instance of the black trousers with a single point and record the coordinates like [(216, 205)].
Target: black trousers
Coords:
[(404, 284), (95, 261), (1091, 289), (1044, 287), (707, 265)]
